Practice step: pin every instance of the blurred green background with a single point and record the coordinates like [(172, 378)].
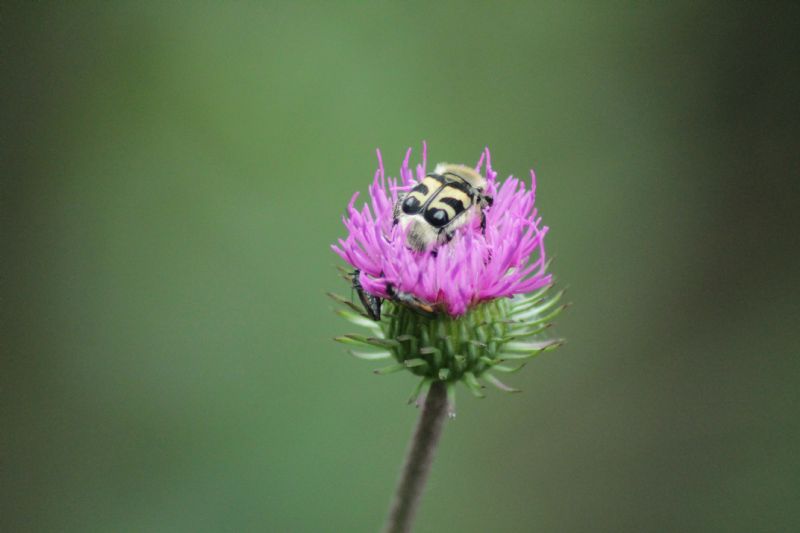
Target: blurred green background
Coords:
[(173, 175)]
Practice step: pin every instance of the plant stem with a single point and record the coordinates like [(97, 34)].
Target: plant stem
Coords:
[(418, 460)]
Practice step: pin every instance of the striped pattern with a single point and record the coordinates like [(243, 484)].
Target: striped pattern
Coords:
[(452, 200), (440, 200), (422, 193)]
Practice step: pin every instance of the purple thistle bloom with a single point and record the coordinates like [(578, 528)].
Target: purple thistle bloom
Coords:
[(477, 265)]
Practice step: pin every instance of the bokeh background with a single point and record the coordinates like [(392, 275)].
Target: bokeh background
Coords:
[(173, 175)]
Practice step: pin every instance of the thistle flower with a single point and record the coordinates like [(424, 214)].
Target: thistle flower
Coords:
[(456, 309), (487, 288)]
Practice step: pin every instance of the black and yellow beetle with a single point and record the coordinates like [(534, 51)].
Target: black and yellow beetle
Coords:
[(441, 203), (431, 212)]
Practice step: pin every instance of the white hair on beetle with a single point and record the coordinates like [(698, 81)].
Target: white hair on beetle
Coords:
[(468, 174)]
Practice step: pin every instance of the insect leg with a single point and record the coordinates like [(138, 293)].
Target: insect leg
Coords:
[(411, 301)]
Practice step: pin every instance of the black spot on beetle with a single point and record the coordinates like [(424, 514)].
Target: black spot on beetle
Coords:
[(455, 203), (411, 205), (436, 217)]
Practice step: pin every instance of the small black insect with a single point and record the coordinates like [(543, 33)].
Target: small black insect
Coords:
[(372, 304)]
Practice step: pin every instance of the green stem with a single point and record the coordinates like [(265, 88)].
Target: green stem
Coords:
[(418, 460)]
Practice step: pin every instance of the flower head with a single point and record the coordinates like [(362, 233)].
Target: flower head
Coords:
[(474, 282), (502, 257)]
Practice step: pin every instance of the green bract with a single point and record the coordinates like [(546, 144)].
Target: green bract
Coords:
[(497, 336)]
